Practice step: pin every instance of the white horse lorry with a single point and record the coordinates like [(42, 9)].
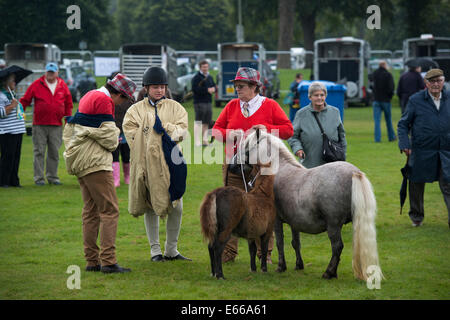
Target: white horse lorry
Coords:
[(344, 61), (135, 58), (428, 46), (34, 57)]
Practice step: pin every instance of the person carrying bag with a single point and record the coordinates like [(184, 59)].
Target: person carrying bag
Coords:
[(309, 140), (332, 150)]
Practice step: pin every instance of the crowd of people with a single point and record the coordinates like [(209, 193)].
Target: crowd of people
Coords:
[(109, 122)]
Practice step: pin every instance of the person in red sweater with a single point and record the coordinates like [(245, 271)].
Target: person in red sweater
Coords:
[(52, 102), (239, 117)]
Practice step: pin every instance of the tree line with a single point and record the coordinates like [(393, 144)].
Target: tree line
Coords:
[(200, 25)]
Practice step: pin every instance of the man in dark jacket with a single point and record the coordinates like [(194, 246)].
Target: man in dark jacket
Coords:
[(203, 87), (410, 82), (426, 118), (383, 87)]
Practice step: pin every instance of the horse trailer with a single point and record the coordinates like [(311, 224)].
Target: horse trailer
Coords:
[(232, 56), (135, 58), (428, 46), (34, 57), (343, 60)]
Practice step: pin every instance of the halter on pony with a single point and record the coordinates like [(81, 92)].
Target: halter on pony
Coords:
[(235, 162)]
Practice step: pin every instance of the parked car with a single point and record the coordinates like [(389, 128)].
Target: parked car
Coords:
[(185, 73), (272, 64), (78, 81), (271, 82), (397, 64)]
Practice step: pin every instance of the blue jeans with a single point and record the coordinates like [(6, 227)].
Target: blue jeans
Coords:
[(385, 107), (292, 113)]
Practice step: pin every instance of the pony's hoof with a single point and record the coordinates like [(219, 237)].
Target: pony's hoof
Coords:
[(263, 270), (299, 267), (220, 277), (280, 269), (329, 276)]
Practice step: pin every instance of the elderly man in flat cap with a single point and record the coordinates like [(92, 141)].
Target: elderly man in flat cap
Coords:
[(424, 136)]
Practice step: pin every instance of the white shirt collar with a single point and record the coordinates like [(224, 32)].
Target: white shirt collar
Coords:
[(437, 102), (105, 91), (254, 104), (52, 86), (434, 99)]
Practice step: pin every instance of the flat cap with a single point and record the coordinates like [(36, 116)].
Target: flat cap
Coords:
[(432, 73)]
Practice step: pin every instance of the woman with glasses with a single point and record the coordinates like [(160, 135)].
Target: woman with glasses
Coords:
[(239, 117)]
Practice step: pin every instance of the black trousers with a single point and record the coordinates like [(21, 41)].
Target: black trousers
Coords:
[(122, 150), (416, 192), (10, 149)]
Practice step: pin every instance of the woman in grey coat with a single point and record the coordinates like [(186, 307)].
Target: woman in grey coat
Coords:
[(306, 143)]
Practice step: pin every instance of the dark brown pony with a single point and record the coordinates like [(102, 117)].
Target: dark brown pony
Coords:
[(230, 210)]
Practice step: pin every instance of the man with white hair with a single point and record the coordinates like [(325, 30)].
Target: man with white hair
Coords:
[(424, 136)]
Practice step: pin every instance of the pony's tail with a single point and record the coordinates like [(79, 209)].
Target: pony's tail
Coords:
[(364, 208), (208, 217)]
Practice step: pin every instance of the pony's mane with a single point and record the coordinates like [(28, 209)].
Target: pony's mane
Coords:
[(282, 149)]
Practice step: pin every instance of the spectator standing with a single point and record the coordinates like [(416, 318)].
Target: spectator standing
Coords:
[(12, 128), (295, 104), (383, 88), (52, 102), (409, 83), (89, 137), (203, 87), (424, 136), (306, 142), (123, 150)]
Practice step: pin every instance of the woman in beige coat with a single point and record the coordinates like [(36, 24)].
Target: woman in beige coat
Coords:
[(150, 176)]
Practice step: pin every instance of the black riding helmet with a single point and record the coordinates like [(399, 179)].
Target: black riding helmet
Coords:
[(154, 75)]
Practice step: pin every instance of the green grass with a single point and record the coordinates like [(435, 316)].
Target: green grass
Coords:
[(41, 235)]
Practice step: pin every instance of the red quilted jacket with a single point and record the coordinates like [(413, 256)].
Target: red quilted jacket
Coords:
[(48, 109)]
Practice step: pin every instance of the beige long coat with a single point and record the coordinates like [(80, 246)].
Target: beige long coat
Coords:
[(149, 173)]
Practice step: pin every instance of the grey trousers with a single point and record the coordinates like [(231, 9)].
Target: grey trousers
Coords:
[(46, 138), (173, 226), (416, 192)]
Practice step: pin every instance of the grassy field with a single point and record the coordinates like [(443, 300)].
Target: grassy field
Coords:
[(41, 236)]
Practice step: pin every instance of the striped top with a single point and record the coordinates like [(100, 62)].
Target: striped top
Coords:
[(9, 122)]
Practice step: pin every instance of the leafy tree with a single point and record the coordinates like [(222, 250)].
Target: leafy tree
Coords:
[(184, 25), (45, 21), (286, 18)]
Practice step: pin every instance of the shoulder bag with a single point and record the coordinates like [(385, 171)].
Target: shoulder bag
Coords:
[(332, 150)]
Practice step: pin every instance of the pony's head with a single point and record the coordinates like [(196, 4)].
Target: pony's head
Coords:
[(258, 148)]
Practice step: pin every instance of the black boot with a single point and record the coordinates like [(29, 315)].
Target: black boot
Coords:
[(115, 268)]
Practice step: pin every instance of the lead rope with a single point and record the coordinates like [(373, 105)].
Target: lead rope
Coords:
[(242, 166), (250, 184)]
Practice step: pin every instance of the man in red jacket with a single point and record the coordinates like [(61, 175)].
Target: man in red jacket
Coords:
[(52, 102)]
